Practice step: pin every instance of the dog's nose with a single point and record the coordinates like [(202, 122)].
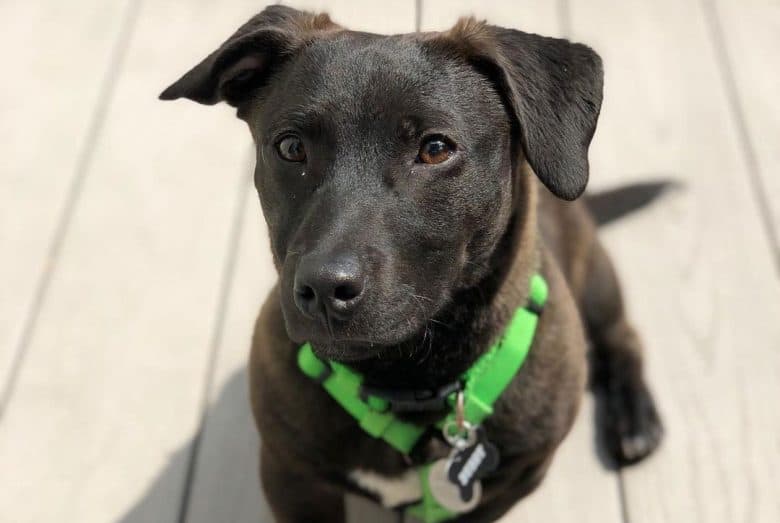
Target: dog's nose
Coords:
[(329, 287)]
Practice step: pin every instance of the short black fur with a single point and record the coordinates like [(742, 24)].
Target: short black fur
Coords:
[(408, 270)]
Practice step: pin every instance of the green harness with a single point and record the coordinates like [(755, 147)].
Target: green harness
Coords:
[(482, 384)]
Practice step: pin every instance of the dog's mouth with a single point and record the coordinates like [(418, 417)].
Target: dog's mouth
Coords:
[(352, 350), (373, 332), (346, 351), (384, 343)]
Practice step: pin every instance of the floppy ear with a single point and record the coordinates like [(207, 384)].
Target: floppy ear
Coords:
[(551, 86), (245, 60)]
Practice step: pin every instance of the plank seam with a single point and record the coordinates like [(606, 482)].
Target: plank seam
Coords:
[(563, 10), (565, 23), (723, 59), (623, 497), (72, 197), (227, 280)]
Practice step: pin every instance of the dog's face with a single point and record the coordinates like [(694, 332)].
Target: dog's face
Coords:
[(386, 165), (385, 178)]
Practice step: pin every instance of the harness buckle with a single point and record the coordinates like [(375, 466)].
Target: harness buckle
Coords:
[(413, 400), (324, 374)]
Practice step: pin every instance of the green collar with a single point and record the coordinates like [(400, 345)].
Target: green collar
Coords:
[(482, 384)]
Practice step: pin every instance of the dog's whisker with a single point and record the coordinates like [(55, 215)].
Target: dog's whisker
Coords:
[(429, 349), (424, 338), (438, 322)]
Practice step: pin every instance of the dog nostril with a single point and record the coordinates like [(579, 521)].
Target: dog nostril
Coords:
[(333, 286), (347, 292), (306, 293)]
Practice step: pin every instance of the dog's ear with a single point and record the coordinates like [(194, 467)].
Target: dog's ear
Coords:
[(551, 86), (245, 60)]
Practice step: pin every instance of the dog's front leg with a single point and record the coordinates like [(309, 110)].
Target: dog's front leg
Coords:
[(630, 422), (295, 494)]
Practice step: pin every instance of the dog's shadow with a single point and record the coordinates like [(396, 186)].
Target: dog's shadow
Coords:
[(224, 483)]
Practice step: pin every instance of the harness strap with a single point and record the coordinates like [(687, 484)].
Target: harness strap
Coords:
[(483, 384), (372, 414), (486, 380)]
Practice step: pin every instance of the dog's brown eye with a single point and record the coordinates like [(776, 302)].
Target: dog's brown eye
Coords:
[(435, 149), (291, 149)]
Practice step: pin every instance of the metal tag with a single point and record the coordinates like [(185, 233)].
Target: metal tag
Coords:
[(447, 493), (470, 464), (455, 482)]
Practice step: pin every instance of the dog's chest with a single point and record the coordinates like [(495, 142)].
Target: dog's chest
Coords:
[(391, 491)]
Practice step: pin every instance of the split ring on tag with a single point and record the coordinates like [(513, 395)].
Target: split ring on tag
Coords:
[(459, 437), (460, 415)]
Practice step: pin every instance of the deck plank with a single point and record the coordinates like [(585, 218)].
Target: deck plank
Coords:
[(101, 425), (532, 16), (747, 37), (377, 17), (698, 270), (49, 109), (577, 475), (226, 486), (110, 391)]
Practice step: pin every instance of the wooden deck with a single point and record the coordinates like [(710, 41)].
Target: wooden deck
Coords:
[(134, 259)]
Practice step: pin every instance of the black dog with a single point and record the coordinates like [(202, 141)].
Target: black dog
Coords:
[(398, 177)]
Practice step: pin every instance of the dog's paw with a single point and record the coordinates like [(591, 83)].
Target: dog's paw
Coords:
[(633, 428)]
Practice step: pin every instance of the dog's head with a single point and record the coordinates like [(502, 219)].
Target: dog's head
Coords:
[(386, 165)]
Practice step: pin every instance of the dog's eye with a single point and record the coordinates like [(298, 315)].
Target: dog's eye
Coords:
[(291, 148), (435, 149)]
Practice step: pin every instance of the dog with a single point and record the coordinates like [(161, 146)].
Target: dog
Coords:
[(412, 186)]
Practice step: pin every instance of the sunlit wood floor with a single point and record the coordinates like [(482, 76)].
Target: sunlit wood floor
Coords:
[(133, 258)]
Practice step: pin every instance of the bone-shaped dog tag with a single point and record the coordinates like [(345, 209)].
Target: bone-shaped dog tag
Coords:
[(447, 493), (470, 464), (455, 481)]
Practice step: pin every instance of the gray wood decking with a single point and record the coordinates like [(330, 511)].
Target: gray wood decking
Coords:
[(133, 259)]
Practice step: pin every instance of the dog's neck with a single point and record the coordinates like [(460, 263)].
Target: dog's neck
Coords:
[(475, 318)]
